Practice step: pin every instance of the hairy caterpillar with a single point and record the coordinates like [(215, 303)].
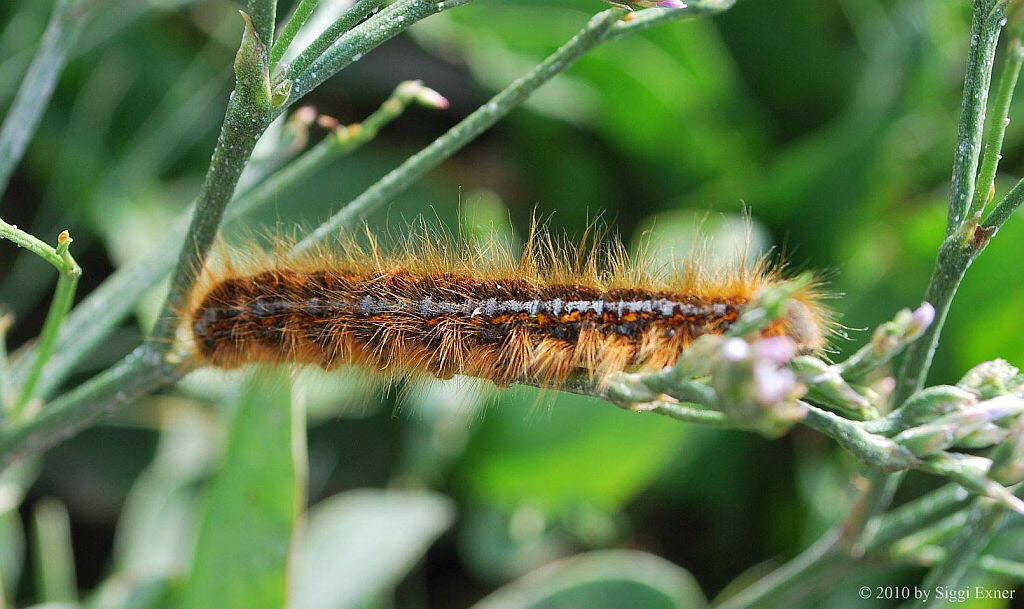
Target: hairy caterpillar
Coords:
[(444, 308)]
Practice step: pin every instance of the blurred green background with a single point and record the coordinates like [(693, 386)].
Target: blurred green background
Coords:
[(831, 121)]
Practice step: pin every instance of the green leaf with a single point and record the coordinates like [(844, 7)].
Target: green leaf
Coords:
[(54, 562), (576, 449), (12, 551), (13, 482), (241, 555), (361, 543), (609, 579)]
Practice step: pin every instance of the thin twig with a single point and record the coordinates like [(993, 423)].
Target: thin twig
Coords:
[(355, 43), (1002, 567), (1002, 212), (955, 253), (349, 19), (264, 17), (68, 273), (291, 28), (997, 127), (143, 371), (466, 131), (869, 448), (910, 517), (988, 20), (63, 298), (247, 116)]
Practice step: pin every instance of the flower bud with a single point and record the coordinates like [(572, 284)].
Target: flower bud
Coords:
[(928, 440), (1008, 458), (931, 403), (988, 434), (415, 91), (827, 386), (754, 387), (990, 379), (776, 349), (922, 317)]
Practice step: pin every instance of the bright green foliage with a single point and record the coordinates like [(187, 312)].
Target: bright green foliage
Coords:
[(357, 546), (553, 451), (242, 551)]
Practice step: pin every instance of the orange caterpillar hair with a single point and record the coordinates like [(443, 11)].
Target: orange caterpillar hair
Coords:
[(444, 308)]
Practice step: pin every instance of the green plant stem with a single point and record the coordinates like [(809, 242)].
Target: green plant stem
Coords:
[(295, 23), (143, 371), (825, 563), (997, 126), (602, 27), (264, 18), (1006, 207), (68, 273), (982, 522), (869, 448), (920, 542), (467, 130), (861, 524), (54, 561), (985, 26), (644, 20), (336, 145), (29, 242), (349, 19), (358, 41), (63, 298), (690, 414), (37, 87), (99, 312), (1002, 567), (954, 254), (247, 117)]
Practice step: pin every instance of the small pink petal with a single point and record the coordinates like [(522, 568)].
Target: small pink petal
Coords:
[(923, 317), (776, 349)]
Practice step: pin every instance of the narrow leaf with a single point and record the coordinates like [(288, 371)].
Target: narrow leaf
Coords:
[(361, 543), (241, 557), (601, 580)]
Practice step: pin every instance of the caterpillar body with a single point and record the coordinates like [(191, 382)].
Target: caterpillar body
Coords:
[(444, 309)]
